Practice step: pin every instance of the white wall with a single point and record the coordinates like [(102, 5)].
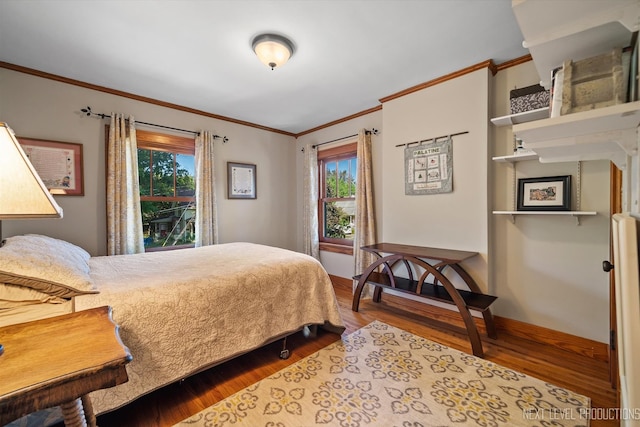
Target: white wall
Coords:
[(456, 220), (547, 269), (45, 109)]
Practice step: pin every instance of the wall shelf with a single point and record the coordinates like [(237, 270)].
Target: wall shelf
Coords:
[(604, 133), (515, 158), (566, 33), (554, 32), (575, 214), (524, 117), (553, 37)]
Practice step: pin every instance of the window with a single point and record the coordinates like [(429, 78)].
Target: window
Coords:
[(166, 169), (337, 205)]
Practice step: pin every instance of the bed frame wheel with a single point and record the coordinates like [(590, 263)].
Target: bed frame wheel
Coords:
[(284, 353)]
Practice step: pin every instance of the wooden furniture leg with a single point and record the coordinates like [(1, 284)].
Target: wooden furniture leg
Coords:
[(365, 277), (486, 314), (73, 414), (377, 292), (472, 329), (89, 415)]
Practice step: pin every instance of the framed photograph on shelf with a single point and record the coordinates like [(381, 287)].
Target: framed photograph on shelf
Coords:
[(241, 181), (59, 164), (545, 193)]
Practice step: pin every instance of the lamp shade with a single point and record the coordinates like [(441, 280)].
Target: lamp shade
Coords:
[(22, 192), (272, 50)]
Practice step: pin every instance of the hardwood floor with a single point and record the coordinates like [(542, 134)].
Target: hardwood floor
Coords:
[(178, 401)]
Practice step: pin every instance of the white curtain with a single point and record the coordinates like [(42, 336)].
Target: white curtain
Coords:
[(310, 203), (124, 217), (206, 210), (365, 222)]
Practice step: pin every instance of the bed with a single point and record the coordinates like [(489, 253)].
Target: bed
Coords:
[(179, 312)]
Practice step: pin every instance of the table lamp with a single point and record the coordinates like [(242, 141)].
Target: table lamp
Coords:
[(23, 195)]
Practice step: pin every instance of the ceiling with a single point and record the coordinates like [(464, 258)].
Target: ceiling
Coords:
[(197, 53)]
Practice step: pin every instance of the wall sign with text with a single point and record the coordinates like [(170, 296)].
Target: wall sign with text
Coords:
[(59, 165), (428, 168)]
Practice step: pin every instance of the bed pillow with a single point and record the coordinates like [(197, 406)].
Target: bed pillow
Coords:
[(48, 265), (16, 296)]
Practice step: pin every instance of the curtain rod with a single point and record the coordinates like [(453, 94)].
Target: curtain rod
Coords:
[(89, 113), (431, 139), (373, 131)]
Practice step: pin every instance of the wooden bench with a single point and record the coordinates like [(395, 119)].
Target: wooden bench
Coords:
[(433, 261)]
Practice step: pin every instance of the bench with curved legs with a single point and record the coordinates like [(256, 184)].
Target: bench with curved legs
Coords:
[(381, 275)]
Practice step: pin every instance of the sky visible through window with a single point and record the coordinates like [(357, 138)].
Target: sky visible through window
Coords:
[(188, 162)]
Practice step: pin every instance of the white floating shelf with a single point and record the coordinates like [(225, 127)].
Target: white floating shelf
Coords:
[(603, 133), (524, 117), (557, 31), (516, 158), (575, 214), (572, 213)]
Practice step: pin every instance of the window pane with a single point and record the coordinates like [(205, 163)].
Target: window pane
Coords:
[(168, 223), (339, 219), (144, 171), (337, 202), (330, 179), (163, 174), (354, 166), (344, 178), (185, 175)]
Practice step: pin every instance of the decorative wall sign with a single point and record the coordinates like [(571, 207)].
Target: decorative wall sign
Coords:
[(241, 181), (428, 168), (59, 165)]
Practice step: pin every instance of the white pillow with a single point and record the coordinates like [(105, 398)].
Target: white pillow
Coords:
[(48, 265)]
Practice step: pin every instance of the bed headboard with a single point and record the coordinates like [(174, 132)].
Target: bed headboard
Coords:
[(625, 228)]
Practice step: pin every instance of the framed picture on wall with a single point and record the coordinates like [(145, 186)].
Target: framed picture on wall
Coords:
[(59, 164), (544, 193), (241, 181)]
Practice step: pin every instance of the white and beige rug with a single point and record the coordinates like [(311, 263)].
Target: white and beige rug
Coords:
[(383, 376)]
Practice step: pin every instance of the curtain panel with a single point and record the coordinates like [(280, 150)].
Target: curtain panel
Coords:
[(206, 207), (310, 203), (124, 217), (365, 218)]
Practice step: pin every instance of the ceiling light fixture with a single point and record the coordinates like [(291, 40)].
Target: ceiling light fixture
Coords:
[(272, 50)]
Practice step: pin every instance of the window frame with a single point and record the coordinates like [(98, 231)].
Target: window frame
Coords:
[(155, 141), (334, 154)]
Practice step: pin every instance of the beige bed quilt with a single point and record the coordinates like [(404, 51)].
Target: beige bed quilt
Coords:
[(182, 311)]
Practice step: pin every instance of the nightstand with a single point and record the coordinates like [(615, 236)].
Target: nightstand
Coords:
[(58, 361)]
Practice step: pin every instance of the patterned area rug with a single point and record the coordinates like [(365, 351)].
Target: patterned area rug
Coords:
[(383, 376)]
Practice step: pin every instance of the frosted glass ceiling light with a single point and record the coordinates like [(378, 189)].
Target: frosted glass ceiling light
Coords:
[(272, 50)]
